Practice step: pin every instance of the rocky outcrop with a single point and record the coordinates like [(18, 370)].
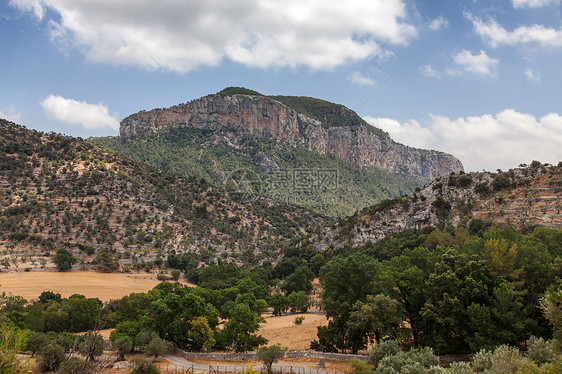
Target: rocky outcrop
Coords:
[(261, 117), (523, 197)]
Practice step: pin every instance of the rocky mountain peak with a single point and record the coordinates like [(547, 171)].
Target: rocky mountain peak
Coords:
[(312, 124)]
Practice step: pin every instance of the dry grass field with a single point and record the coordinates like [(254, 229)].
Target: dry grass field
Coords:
[(283, 331), (88, 283)]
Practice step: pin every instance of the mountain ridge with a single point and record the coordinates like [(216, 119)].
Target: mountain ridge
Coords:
[(268, 117)]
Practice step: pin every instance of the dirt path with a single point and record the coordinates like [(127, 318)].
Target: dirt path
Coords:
[(279, 368)]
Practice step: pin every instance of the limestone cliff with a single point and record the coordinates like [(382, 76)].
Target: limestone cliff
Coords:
[(256, 116)]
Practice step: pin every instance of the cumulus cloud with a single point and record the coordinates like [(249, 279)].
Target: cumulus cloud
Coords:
[(439, 23), (361, 79), (428, 71), (489, 142), (532, 75), (73, 112), (478, 64), (11, 114), (534, 3), (494, 34), (184, 34)]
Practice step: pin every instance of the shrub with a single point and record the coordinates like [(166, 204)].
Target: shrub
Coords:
[(359, 367), (249, 370), (414, 361), (52, 356), (298, 320), (540, 351), (506, 360), (143, 366), (482, 361), (460, 368), (383, 349), (75, 365)]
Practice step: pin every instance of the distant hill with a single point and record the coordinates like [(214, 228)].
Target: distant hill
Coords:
[(240, 128), (58, 191), (524, 198)]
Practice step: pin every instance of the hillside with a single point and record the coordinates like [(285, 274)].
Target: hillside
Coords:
[(195, 152), (239, 128), (58, 191), (524, 198)]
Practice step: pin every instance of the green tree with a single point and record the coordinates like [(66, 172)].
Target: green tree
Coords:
[(300, 280), (239, 330), (122, 345), (502, 258), (36, 341), (175, 274), (90, 345), (64, 259), (270, 355), (106, 262), (378, 317), (83, 313), (299, 302), (404, 278), (157, 347), (552, 307), (346, 281), (201, 335), (279, 302)]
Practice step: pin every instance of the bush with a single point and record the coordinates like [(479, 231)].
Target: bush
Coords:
[(143, 366), (506, 360), (269, 355), (359, 367), (383, 349), (157, 347), (415, 361), (541, 351), (482, 361), (460, 368), (75, 365), (298, 320), (52, 356)]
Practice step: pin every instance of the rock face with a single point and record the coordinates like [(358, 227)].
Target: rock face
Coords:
[(523, 197), (264, 118)]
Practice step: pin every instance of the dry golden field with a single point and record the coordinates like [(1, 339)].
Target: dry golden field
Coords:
[(105, 286)]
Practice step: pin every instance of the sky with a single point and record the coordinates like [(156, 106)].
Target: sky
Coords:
[(478, 79)]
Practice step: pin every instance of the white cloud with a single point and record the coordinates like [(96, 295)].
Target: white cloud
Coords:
[(489, 142), (11, 114), (532, 75), (478, 64), (496, 35), (361, 79), (184, 34), (428, 71), (439, 23), (89, 116), (534, 3)]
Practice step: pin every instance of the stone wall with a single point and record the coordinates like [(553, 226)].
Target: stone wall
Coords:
[(288, 354)]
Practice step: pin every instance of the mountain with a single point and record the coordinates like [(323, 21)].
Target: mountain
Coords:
[(240, 128), (58, 191), (523, 197)]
